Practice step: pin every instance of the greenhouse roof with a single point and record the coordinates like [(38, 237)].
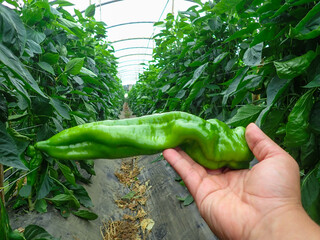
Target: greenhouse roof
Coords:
[(130, 29)]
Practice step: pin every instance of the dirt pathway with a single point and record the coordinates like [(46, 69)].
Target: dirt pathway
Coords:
[(172, 220)]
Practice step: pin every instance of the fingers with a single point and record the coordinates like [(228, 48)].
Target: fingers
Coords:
[(184, 155), (190, 172), (261, 145), (179, 160), (201, 170)]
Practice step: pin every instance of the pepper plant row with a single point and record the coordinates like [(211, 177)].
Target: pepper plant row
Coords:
[(244, 61), (56, 71)]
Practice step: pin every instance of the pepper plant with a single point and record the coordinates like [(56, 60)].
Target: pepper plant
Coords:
[(244, 61), (56, 71)]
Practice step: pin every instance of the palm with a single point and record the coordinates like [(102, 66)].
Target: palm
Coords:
[(236, 201)]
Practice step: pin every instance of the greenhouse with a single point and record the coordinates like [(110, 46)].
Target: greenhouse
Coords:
[(163, 119)]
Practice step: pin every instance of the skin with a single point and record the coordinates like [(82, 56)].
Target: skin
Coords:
[(261, 203)]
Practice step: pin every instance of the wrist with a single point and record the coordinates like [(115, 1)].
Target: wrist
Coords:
[(289, 222)]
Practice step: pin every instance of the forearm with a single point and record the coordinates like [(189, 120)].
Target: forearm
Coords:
[(287, 223)]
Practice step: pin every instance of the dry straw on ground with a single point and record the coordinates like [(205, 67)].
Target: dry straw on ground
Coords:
[(136, 226)]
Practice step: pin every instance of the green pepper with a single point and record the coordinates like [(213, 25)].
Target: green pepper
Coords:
[(210, 143)]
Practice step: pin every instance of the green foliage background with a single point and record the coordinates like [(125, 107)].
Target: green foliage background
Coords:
[(244, 61)]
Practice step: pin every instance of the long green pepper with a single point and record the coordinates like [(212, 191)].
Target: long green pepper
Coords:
[(210, 143)]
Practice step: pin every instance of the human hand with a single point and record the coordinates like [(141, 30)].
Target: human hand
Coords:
[(245, 204)]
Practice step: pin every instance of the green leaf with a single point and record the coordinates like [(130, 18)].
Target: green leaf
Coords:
[(57, 124), (85, 214), (80, 114), (181, 94), (297, 132), (90, 11), (16, 235), (90, 109), (14, 64), (220, 57), (74, 66), (196, 75), (252, 56), (314, 83), (33, 46), (12, 29), (272, 122), (41, 106), (309, 26), (158, 159), (17, 117), (45, 185), (51, 58), (4, 223), (79, 81), (310, 194), (299, 2), (34, 232), (235, 82), (9, 154), (62, 199), (266, 34), (275, 89), (173, 103), (294, 67), (195, 64), (64, 211), (60, 107), (88, 165), (41, 206), (193, 94), (241, 33), (33, 15), (70, 27), (80, 193), (225, 6), (3, 109), (67, 173), (215, 24), (213, 87), (165, 88), (281, 10), (86, 71), (245, 115), (78, 13), (314, 117), (47, 67), (188, 200), (25, 191), (248, 83), (62, 3), (13, 2), (309, 153), (22, 90), (129, 195), (79, 120)]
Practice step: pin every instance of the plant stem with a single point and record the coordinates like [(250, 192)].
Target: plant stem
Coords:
[(31, 204)]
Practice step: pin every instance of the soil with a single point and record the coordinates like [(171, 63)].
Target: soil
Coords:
[(171, 219)]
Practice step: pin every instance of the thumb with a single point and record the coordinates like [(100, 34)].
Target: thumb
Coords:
[(261, 145)]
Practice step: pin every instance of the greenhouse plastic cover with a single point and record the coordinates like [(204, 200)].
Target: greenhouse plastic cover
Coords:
[(130, 26)]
